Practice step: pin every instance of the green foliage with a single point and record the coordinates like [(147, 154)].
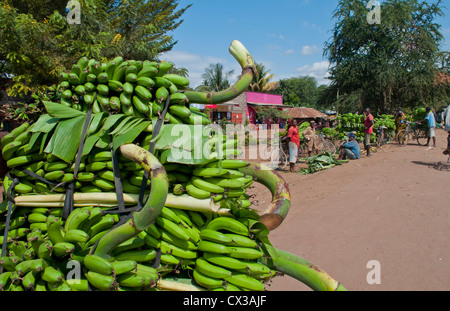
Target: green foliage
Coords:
[(215, 79), (298, 92), (388, 63), (132, 29)]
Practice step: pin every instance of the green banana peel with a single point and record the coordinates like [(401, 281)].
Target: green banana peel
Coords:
[(278, 209), (241, 54), (147, 215)]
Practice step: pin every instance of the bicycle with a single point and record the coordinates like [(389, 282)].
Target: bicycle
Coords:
[(410, 133), (324, 144), (383, 137), (279, 157)]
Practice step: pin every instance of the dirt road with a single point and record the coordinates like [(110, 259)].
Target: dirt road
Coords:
[(392, 207)]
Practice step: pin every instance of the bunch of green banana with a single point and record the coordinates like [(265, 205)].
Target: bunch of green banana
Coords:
[(130, 87), (229, 258)]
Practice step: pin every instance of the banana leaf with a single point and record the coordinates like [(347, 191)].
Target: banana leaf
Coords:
[(183, 143)]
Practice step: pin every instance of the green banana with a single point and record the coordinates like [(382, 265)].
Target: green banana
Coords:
[(161, 94), (36, 217), (168, 237), (228, 164), (245, 253), (98, 264), (138, 255), (212, 247), (76, 236), (241, 240), (179, 252), (227, 183), (76, 218), (105, 223), (52, 275), (245, 281), (9, 150), (180, 111), (61, 249), (128, 88), (180, 81), (228, 224), (115, 85), (225, 261), (14, 133), (172, 228), (23, 188), (143, 93), (123, 266), (206, 281), (145, 82), (206, 186), (100, 281), (79, 285), (211, 270), (130, 244), (215, 236), (148, 71), (149, 240), (54, 175), (141, 105), (104, 184), (54, 229)]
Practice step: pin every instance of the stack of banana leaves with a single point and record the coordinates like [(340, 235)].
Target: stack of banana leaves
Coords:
[(320, 162), (124, 186)]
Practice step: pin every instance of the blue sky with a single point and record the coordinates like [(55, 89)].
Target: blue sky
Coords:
[(287, 36)]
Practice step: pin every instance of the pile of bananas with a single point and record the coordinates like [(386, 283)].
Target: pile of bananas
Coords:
[(216, 252), (134, 88)]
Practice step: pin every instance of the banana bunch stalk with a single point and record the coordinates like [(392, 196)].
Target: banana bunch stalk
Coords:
[(194, 228)]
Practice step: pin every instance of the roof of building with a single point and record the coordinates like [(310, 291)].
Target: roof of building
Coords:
[(306, 113)]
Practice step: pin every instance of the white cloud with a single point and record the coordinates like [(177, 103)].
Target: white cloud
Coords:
[(310, 49), (196, 64), (318, 70), (289, 52)]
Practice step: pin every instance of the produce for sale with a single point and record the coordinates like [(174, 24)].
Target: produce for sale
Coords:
[(108, 191)]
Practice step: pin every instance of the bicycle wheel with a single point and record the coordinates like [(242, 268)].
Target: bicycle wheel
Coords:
[(329, 146), (403, 136), (278, 159), (422, 137)]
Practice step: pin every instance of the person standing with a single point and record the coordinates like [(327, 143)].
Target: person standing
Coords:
[(431, 122), (400, 122), (446, 121), (310, 135), (368, 130), (293, 138)]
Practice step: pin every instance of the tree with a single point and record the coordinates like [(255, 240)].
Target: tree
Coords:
[(388, 64), (298, 92), (215, 79), (38, 43), (260, 82)]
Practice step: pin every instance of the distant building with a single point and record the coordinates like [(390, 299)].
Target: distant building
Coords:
[(242, 108)]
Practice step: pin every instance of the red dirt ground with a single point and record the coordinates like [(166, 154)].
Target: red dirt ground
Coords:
[(392, 207)]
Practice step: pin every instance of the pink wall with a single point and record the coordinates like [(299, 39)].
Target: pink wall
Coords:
[(261, 98)]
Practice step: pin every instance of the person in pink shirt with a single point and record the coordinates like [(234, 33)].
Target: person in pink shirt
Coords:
[(368, 130)]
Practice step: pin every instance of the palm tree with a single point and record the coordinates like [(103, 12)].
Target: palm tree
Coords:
[(261, 79), (214, 78)]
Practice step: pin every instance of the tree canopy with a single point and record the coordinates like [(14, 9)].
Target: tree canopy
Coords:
[(385, 65), (38, 43)]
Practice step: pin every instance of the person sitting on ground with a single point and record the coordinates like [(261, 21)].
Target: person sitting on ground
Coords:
[(310, 135), (350, 150)]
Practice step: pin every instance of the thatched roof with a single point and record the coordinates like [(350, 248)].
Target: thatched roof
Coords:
[(306, 113)]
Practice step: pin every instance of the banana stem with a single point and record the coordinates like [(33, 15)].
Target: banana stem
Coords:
[(241, 54), (184, 285), (278, 209), (302, 270), (147, 215), (109, 199)]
